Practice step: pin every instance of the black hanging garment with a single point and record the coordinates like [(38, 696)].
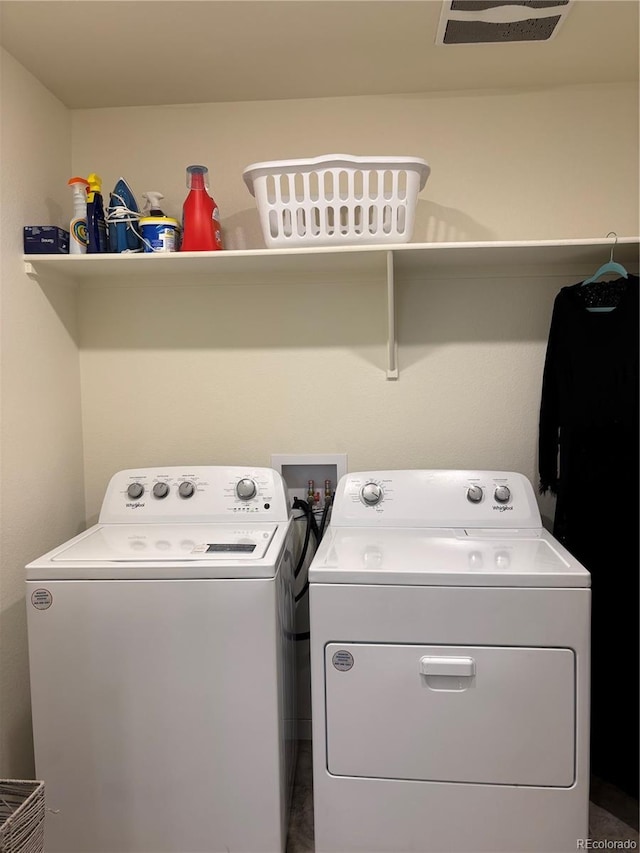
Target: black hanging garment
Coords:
[(588, 456)]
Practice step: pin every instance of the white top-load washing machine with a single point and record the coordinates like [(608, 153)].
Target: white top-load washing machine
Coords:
[(450, 670), (162, 667)]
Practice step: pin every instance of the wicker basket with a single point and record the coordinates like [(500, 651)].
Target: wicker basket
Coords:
[(21, 816)]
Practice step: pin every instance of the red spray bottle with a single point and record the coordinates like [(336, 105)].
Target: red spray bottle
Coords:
[(200, 216)]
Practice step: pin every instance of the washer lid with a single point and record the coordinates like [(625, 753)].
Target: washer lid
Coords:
[(168, 551), (527, 558), (129, 543)]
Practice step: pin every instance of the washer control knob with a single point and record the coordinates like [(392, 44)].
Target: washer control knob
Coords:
[(186, 489), (160, 490), (474, 494), (371, 494), (502, 494), (246, 489), (135, 491)]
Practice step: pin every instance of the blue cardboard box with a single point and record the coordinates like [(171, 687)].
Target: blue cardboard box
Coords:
[(45, 240)]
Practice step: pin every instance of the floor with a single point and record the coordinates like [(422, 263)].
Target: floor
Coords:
[(301, 824), (609, 810)]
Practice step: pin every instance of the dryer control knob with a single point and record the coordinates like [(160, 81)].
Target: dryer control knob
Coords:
[(371, 494), (502, 494), (474, 494), (160, 490), (186, 489), (135, 491), (246, 489)]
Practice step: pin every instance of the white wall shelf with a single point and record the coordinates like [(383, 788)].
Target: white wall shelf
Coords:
[(409, 258), (390, 263)]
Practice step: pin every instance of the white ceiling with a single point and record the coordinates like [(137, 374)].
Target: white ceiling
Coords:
[(102, 53)]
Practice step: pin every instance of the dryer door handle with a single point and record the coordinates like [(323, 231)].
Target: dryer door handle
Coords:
[(453, 666)]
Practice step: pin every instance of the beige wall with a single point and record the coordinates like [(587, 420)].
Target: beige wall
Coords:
[(41, 489), (512, 165), (216, 374)]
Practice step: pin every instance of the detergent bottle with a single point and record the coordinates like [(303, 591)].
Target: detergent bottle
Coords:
[(200, 216), (96, 225), (78, 224)]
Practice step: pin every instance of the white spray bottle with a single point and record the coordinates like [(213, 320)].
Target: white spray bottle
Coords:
[(78, 237), (160, 233), (152, 204)]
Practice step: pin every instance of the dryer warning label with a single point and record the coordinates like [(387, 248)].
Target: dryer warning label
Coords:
[(41, 599), (342, 660)]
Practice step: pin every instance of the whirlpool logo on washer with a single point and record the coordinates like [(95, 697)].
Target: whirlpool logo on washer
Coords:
[(503, 508), (135, 504)]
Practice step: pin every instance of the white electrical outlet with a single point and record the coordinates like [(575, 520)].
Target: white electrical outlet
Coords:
[(298, 468)]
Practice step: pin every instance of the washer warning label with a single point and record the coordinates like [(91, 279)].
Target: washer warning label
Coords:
[(342, 660), (41, 599)]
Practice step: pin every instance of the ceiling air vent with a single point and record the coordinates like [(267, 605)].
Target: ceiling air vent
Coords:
[(486, 22)]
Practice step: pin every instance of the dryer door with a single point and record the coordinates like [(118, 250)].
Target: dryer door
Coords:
[(502, 716)]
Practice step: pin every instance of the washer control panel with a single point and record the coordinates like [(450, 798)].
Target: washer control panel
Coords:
[(200, 493), (423, 498)]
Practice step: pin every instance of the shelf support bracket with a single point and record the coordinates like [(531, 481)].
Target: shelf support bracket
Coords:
[(392, 344), (31, 271)]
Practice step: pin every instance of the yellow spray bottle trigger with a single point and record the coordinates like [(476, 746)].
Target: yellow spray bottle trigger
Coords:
[(95, 185)]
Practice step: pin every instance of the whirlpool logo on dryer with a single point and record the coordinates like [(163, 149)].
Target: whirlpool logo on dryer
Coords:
[(502, 508), (136, 504)]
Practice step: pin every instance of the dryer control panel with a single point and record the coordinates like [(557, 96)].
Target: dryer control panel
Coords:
[(422, 498), (192, 494)]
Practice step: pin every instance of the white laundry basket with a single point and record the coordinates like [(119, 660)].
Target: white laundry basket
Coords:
[(337, 199)]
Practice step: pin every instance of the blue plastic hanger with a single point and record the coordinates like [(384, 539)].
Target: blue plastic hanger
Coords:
[(610, 267)]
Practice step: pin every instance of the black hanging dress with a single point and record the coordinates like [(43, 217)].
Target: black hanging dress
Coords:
[(588, 456)]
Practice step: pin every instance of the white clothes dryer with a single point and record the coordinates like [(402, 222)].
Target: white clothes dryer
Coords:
[(450, 670), (162, 667)]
